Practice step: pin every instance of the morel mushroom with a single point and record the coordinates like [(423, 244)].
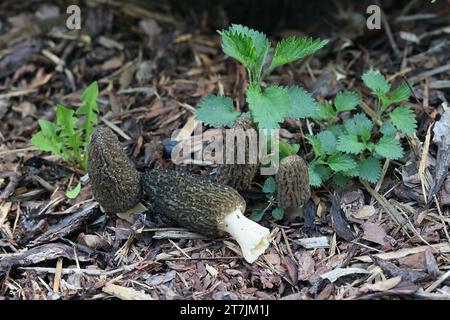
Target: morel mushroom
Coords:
[(238, 176), (115, 180), (206, 207), (293, 189)]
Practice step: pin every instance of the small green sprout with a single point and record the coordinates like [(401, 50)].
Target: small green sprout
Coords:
[(69, 137)]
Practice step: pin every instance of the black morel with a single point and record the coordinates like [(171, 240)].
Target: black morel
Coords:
[(206, 207), (115, 181)]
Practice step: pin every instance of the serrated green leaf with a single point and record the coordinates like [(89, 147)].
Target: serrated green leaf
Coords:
[(350, 126), (327, 142), (257, 215), (315, 179), (278, 213), (362, 123), (293, 48), (89, 109), (73, 193), (388, 129), (337, 129), (260, 42), (389, 147), (66, 121), (404, 119), (323, 171), (401, 93), (353, 172), (302, 104), (216, 111), (269, 185), (340, 180), (316, 145), (346, 101), (269, 108), (325, 112), (369, 169), (239, 46), (46, 143), (376, 82), (349, 143), (89, 97), (48, 128), (341, 162), (358, 124)]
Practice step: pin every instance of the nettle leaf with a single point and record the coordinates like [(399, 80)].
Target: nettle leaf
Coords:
[(337, 129), (346, 101), (316, 144), (269, 108), (327, 142), (239, 46), (293, 48), (340, 179), (358, 124), (341, 162), (325, 112), (349, 143), (260, 42), (317, 174), (302, 104), (216, 111), (401, 93), (404, 119), (369, 169), (323, 171), (376, 82), (389, 147), (363, 123), (278, 213), (269, 185), (388, 129), (353, 172)]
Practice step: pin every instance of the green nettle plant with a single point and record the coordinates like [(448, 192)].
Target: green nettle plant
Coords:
[(344, 149), (268, 106), (68, 137), (355, 147)]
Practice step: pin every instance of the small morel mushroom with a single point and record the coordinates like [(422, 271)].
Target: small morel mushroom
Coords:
[(293, 189), (115, 180), (238, 176), (205, 207)]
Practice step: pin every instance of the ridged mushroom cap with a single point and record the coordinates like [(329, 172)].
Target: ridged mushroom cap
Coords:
[(238, 176), (115, 181), (292, 182), (195, 202)]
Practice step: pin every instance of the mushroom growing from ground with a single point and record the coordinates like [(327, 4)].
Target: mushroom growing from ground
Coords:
[(293, 189), (115, 181), (206, 207), (238, 176)]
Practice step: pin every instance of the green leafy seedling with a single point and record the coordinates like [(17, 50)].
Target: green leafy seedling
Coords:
[(68, 137), (356, 147)]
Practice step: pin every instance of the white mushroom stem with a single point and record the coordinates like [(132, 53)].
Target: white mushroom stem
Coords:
[(252, 237)]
